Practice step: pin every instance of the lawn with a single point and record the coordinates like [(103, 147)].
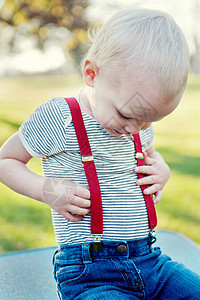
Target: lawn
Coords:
[(27, 224)]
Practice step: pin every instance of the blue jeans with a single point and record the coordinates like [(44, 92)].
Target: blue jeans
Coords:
[(122, 270)]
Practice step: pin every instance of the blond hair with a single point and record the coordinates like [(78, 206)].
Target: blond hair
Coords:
[(147, 40)]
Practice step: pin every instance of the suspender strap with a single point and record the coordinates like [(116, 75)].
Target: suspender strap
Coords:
[(91, 174), (89, 167), (148, 199)]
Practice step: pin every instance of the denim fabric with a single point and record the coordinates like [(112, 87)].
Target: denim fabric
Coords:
[(138, 272)]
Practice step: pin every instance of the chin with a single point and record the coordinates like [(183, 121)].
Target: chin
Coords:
[(112, 133)]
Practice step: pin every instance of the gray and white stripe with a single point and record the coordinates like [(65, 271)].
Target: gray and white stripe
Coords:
[(49, 134)]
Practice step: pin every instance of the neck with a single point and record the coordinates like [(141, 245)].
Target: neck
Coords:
[(86, 100)]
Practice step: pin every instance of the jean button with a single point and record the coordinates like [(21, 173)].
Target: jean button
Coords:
[(121, 249)]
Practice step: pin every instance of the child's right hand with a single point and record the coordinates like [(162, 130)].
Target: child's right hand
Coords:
[(68, 198)]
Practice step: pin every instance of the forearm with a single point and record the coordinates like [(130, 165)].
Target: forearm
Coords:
[(72, 205), (17, 176)]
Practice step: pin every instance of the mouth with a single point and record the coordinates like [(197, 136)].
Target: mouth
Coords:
[(116, 131)]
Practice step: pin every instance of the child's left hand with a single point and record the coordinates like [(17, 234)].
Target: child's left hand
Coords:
[(157, 174)]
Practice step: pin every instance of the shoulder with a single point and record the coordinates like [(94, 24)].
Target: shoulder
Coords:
[(44, 132), (54, 111), (57, 105)]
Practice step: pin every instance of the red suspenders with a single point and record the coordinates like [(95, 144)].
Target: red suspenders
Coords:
[(89, 167), (148, 199), (91, 174)]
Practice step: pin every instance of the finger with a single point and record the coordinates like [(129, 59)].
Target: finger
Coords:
[(147, 180), (144, 170), (147, 159), (80, 202), (74, 188), (82, 191), (68, 216), (152, 189), (75, 210), (158, 197)]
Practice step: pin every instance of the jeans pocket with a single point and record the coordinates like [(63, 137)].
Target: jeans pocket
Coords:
[(71, 274)]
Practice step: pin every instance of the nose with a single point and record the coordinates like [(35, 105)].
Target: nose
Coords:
[(132, 129), (133, 126)]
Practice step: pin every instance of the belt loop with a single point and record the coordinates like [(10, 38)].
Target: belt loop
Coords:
[(86, 254), (54, 255), (128, 250)]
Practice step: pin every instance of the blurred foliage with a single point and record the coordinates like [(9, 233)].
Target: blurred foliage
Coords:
[(40, 20)]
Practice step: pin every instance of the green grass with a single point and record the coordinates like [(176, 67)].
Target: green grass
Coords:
[(27, 224), (177, 138)]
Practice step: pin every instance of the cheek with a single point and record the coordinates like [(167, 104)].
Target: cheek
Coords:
[(100, 116), (106, 116), (105, 120)]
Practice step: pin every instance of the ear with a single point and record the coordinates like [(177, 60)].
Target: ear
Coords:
[(90, 71)]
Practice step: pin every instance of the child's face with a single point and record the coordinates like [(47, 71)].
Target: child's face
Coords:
[(123, 106)]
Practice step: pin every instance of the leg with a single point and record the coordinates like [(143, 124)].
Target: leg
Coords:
[(165, 279), (101, 279), (181, 284), (105, 293)]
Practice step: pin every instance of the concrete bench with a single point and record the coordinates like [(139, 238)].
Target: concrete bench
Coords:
[(28, 274)]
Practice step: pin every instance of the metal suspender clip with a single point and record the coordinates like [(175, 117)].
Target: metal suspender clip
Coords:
[(139, 155), (87, 158), (97, 243), (153, 232)]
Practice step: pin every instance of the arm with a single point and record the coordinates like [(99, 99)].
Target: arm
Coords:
[(16, 175), (157, 172)]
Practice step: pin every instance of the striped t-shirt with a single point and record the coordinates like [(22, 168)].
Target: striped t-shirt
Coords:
[(49, 134)]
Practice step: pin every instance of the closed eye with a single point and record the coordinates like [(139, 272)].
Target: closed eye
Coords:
[(123, 115)]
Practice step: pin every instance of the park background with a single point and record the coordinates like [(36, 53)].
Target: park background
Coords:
[(41, 46)]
